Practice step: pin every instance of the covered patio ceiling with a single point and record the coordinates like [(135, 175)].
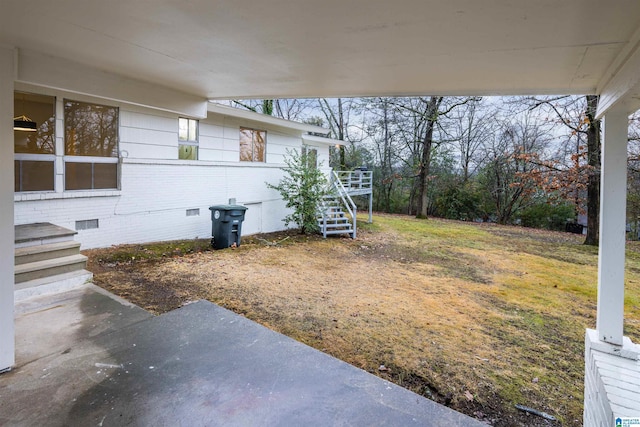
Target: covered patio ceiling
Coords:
[(283, 48)]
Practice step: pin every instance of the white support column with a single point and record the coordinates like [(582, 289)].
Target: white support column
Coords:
[(7, 341), (613, 205)]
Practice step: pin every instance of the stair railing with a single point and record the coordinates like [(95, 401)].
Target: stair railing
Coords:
[(347, 201)]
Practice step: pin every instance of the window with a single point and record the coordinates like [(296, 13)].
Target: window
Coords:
[(90, 146), (311, 154), (252, 145), (34, 149), (187, 139)]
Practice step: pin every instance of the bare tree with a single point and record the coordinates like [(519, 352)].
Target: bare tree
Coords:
[(338, 113), (506, 175), (288, 109), (474, 125), (578, 116), (428, 113)]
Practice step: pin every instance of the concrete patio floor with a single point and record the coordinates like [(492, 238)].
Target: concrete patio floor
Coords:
[(86, 357)]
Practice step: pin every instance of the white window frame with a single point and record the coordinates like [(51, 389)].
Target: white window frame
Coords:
[(253, 148), (38, 157), (91, 159), (306, 149), (51, 158), (188, 141), (69, 158)]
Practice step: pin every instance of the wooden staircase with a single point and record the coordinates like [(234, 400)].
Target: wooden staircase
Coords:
[(47, 260)]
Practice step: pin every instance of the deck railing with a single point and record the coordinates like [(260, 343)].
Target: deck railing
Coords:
[(355, 181)]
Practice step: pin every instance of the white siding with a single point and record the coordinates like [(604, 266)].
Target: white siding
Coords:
[(153, 202), (157, 188)]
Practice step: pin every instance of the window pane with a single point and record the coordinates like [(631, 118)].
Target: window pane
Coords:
[(188, 152), (312, 157), (193, 130), (246, 145), (77, 176), (34, 175), (259, 145), (105, 175), (90, 129), (187, 129), (91, 176), (183, 129), (252, 145), (41, 109)]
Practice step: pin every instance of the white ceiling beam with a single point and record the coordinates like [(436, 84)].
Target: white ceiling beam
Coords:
[(619, 89)]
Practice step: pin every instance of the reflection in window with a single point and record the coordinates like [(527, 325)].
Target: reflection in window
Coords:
[(35, 151), (187, 129), (311, 154), (41, 109), (252, 145), (90, 132), (90, 129)]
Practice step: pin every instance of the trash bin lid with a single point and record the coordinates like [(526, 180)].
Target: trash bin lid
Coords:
[(228, 208)]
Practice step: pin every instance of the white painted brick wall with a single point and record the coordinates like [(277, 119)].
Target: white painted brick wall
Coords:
[(157, 189)]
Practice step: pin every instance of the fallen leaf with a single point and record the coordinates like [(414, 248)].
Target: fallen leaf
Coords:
[(468, 395)]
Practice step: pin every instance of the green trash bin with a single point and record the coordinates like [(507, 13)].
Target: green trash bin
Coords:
[(226, 225)]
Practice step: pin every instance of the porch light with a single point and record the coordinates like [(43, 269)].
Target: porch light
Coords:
[(24, 123)]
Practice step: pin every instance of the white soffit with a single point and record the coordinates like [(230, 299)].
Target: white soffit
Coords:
[(281, 48)]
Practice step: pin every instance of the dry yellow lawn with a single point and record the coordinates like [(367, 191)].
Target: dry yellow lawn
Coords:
[(479, 317)]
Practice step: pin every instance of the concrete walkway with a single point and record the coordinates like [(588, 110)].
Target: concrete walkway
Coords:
[(86, 357)]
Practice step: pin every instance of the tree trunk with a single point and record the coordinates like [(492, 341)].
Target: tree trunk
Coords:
[(425, 163), (593, 184)]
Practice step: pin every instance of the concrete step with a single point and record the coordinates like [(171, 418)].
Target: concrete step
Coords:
[(51, 284), (41, 233), (49, 267), (36, 253)]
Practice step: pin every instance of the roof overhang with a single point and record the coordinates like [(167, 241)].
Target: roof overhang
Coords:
[(264, 119), (315, 139), (278, 48), (620, 86)]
